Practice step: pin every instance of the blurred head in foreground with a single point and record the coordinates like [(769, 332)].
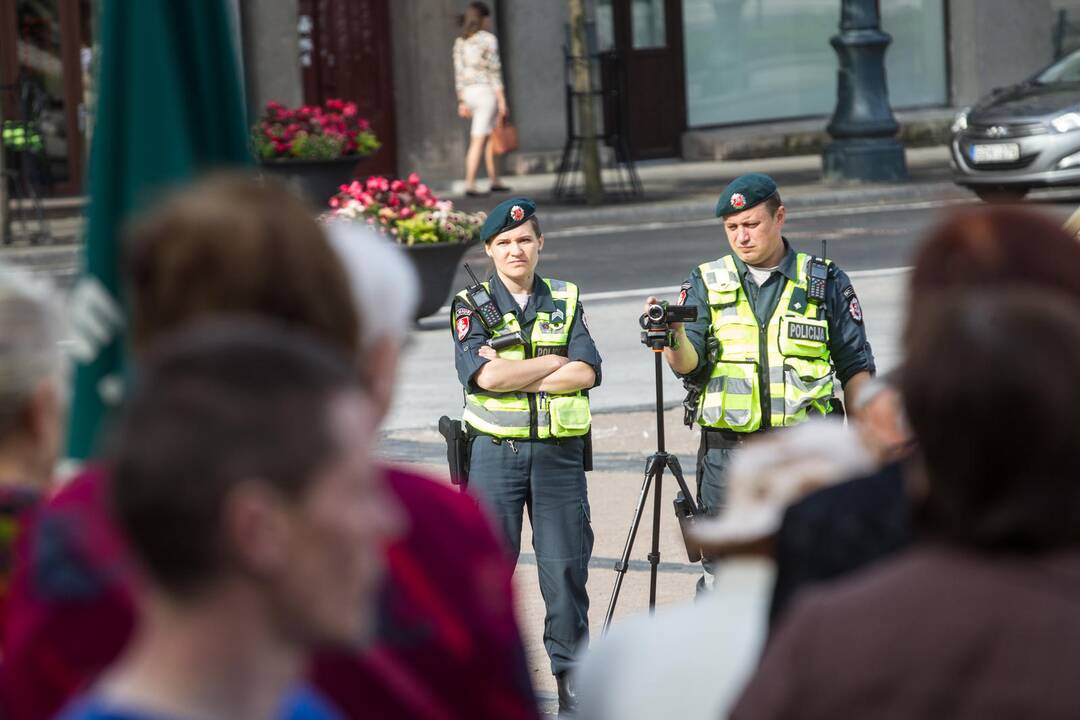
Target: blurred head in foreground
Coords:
[(33, 380), (386, 291), (234, 244), (243, 480), (978, 363), (995, 247)]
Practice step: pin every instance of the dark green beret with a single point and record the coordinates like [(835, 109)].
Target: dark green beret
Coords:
[(744, 192), (506, 216)]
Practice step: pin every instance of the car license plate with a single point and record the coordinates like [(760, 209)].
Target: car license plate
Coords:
[(995, 153)]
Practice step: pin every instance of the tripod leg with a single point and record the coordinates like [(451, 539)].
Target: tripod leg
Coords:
[(623, 563), (676, 471), (654, 555)]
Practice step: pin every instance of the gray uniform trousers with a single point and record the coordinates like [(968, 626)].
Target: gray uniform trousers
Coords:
[(548, 478), (712, 470)]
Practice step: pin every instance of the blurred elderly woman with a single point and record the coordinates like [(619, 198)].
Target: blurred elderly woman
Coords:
[(33, 401), (33, 383)]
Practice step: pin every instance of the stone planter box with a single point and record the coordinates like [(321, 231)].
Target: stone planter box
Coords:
[(436, 264), (318, 180)]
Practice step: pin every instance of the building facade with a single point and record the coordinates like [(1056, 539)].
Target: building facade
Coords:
[(689, 70)]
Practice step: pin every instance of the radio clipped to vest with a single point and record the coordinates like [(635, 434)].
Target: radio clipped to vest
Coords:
[(817, 280), (483, 303)]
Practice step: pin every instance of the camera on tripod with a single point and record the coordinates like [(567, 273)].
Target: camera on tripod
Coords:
[(655, 322)]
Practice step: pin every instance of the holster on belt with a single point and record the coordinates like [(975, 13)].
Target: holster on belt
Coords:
[(686, 513), (457, 449)]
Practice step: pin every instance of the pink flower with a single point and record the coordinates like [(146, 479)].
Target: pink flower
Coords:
[(406, 213), (335, 104), (397, 186), (423, 191), (371, 221), (395, 201), (363, 124), (414, 179), (334, 202), (349, 110), (366, 198)]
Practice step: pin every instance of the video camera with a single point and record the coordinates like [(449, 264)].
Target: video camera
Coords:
[(657, 318)]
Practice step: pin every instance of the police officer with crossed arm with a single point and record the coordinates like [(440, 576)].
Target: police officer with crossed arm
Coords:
[(525, 358), (776, 330)]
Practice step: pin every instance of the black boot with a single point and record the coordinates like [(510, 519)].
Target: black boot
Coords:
[(567, 692)]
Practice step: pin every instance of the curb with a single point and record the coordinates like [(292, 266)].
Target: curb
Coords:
[(703, 207)]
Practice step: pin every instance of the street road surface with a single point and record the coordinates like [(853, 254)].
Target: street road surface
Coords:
[(618, 266)]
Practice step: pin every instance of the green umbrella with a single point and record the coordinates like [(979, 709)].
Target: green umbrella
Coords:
[(169, 107)]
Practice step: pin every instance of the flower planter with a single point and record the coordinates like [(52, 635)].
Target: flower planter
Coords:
[(436, 264), (316, 180)]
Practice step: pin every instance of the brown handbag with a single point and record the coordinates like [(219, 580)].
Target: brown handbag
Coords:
[(504, 138)]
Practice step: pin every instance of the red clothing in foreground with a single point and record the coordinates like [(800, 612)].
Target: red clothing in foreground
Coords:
[(447, 644)]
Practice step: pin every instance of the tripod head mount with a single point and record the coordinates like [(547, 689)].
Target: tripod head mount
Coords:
[(656, 339)]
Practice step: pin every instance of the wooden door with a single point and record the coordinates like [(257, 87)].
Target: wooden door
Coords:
[(45, 50), (647, 34), (351, 59)]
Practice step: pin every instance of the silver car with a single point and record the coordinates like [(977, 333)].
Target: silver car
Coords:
[(1023, 136)]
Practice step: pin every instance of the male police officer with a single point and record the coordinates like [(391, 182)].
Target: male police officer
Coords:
[(774, 328), (526, 406)]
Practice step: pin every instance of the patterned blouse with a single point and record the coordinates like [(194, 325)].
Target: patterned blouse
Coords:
[(476, 61)]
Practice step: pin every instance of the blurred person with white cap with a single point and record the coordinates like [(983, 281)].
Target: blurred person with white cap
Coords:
[(691, 661)]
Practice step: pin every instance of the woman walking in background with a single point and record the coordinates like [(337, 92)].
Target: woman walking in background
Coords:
[(478, 80)]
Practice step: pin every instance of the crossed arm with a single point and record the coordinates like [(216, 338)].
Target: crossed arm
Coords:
[(550, 373)]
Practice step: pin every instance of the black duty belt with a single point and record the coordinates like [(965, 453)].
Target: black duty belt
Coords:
[(716, 439)]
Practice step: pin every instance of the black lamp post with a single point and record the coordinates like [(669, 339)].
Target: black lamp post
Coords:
[(863, 128)]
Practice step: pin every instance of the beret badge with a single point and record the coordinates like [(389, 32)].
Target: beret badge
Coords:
[(517, 213), (738, 201)]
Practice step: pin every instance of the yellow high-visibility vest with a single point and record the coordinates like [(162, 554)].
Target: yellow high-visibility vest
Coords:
[(523, 415), (793, 347)]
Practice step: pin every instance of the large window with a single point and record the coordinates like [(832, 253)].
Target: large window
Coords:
[(750, 60)]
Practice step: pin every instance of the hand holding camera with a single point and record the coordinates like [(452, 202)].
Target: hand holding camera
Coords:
[(661, 319)]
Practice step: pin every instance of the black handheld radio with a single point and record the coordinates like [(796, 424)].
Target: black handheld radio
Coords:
[(483, 302), (819, 275)]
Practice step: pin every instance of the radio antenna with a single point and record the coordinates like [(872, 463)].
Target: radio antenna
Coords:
[(469, 270)]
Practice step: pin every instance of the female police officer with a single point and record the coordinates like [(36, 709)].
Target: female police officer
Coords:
[(526, 407)]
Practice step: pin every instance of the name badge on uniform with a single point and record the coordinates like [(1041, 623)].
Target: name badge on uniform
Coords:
[(806, 331), (552, 350)]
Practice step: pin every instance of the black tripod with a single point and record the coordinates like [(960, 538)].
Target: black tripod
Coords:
[(657, 338)]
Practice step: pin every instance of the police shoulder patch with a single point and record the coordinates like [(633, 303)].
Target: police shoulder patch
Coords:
[(462, 324), (684, 291), (855, 309)]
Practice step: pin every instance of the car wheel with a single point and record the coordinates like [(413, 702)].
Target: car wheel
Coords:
[(1001, 194)]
